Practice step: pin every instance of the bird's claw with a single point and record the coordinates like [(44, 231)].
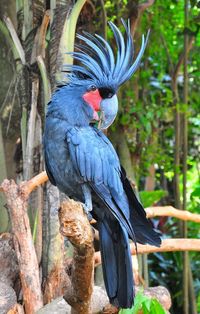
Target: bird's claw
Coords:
[(87, 211)]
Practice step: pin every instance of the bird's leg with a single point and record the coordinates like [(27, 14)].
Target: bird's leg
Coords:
[(87, 206)]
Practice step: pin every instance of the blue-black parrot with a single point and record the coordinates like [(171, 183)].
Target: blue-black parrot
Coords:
[(81, 161)]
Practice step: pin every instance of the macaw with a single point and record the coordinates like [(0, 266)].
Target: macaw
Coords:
[(81, 161)]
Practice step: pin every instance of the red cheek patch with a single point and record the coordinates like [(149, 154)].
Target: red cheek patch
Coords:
[(93, 98)]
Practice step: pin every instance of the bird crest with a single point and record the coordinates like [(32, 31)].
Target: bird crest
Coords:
[(98, 61)]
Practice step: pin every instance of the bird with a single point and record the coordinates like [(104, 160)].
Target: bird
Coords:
[(82, 162)]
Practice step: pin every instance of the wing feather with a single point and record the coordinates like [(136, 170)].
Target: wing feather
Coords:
[(90, 149)]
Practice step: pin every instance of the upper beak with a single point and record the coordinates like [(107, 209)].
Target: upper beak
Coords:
[(109, 108)]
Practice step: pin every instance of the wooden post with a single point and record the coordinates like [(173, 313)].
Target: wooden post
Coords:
[(76, 227)]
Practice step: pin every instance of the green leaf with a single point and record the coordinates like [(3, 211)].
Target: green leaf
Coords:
[(156, 307), (196, 192), (148, 198)]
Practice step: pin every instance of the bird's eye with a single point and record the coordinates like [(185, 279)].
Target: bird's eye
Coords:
[(110, 95), (93, 88)]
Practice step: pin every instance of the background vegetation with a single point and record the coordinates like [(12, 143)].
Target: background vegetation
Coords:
[(156, 134)]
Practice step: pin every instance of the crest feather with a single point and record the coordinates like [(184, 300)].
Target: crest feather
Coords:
[(97, 59)]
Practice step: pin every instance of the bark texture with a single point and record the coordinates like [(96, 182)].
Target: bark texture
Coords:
[(170, 211), (9, 268), (75, 226), (23, 244), (168, 245), (7, 298)]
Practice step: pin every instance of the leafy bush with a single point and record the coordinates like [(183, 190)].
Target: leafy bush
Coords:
[(144, 304)]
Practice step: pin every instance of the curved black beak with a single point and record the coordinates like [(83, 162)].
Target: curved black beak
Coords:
[(109, 108)]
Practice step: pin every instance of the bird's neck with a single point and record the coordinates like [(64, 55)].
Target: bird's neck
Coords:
[(67, 104)]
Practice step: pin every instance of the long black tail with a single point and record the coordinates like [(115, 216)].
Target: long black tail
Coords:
[(116, 263), (143, 228)]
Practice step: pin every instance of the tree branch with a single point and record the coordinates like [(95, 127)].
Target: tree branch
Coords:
[(28, 186), (24, 247), (32, 184), (181, 58), (170, 211), (168, 245), (143, 6), (75, 226), (136, 12)]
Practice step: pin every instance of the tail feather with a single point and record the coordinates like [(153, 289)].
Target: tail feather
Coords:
[(143, 227), (116, 263)]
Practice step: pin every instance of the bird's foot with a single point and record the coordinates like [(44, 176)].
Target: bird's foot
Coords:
[(87, 211)]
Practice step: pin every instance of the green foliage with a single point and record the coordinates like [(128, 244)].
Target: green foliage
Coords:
[(166, 268), (148, 198), (144, 303)]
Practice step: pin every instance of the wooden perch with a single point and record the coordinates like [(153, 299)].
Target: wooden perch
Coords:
[(75, 226), (152, 212), (33, 183), (170, 211), (168, 245), (29, 271)]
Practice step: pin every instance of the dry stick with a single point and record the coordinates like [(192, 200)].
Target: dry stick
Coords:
[(75, 226), (168, 245), (24, 247)]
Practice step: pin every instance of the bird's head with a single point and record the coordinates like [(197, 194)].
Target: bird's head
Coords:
[(100, 73)]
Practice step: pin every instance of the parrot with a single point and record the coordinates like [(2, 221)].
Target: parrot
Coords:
[(82, 162)]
